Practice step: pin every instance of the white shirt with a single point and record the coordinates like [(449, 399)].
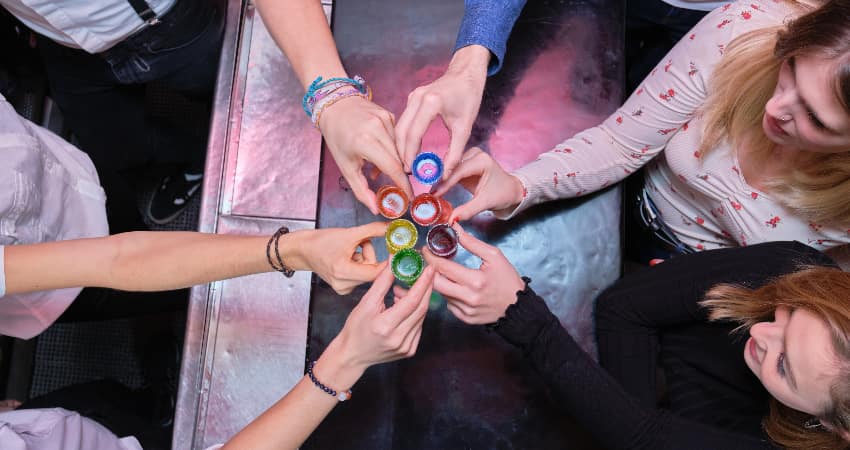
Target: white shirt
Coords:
[(706, 201), (49, 191), (57, 429), (93, 26)]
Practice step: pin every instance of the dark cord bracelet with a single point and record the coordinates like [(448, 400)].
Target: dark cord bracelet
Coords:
[(280, 266), (341, 396)]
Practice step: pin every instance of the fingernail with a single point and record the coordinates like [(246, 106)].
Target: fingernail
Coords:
[(456, 226)]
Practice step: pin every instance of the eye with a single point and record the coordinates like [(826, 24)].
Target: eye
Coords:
[(780, 365), (815, 121)]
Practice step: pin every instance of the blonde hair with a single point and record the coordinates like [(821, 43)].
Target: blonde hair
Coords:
[(744, 81), (825, 292)]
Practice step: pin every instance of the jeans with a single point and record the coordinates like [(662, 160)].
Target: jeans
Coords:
[(652, 29), (102, 97)]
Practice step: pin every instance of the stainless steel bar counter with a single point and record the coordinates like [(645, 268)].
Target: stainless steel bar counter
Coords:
[(248, 339)]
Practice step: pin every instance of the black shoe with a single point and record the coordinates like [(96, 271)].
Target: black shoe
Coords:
[(161, 372), (172, 196)]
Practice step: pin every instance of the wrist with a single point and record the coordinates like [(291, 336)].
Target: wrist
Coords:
[(517, 190), (472, 60), (292, 249), (336, 369), (515, 196), (342, 106)]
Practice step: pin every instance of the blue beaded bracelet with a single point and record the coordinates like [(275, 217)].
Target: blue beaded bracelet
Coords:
[(317, 84), (341, 396)]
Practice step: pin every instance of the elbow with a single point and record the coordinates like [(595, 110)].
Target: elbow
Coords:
[(612, 309)]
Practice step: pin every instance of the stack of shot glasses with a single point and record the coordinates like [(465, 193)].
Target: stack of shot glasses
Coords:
[(427, 211)]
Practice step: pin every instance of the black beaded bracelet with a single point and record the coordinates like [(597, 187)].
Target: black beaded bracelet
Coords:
[(341, 396), (280, 266)]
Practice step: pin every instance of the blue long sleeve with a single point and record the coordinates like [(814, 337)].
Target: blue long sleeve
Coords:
[(488, 23)]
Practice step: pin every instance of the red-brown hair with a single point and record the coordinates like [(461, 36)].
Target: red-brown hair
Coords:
[(825, 292)]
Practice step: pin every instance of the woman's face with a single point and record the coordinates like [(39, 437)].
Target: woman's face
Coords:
[(793, 357), (804, 112)]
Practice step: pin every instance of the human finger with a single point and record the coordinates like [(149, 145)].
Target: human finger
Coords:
[(360, 189), (453, 292), (367, 250), (457, 312), (469, 166), (361, 272), (399, 291), (414, 329), (476, 246), (388, 121), (369, 230), (385, 157), (402, 128), (414, 346), (448, 268), (399, 311), (428, 110), (459, 137), (409, 323), (376, 293)]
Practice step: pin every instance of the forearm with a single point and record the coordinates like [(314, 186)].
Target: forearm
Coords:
[(143, 261), (471, 62), (488, 24), (290, 421), (301, 30)]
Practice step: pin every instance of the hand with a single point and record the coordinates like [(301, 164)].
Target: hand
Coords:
[(491, 186), (332, 254), (455, 97), (376, 334), (476, 296), (357, 130)]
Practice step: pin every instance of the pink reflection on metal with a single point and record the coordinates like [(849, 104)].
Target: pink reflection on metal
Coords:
[(278, 162), (540, 115)]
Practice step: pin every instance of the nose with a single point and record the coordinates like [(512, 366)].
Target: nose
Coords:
[(765, 332), (770, 334), (781, 104)]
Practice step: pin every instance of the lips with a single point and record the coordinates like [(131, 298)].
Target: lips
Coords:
[(774, 126)]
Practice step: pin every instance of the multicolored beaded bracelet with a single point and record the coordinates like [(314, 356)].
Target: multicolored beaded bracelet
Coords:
[(334, 97), (320, 88)]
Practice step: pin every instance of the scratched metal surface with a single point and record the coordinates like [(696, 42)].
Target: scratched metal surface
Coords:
[(245, 338), (466, 388)]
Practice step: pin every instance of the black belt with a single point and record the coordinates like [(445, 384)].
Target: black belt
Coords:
[(144, 11), (650, 217)]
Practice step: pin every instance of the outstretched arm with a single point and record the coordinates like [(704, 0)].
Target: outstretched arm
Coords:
[(300, 29), (372, 334), (583, 389), (456, 95), (152, 261), (355, 129)]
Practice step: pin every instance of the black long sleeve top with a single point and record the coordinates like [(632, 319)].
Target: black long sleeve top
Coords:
[(653, 316)]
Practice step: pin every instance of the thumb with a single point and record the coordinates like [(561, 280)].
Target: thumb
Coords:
[(374, 297), (458, 140), (360, 188), (474, 245), (469, 209), (370, 230)]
